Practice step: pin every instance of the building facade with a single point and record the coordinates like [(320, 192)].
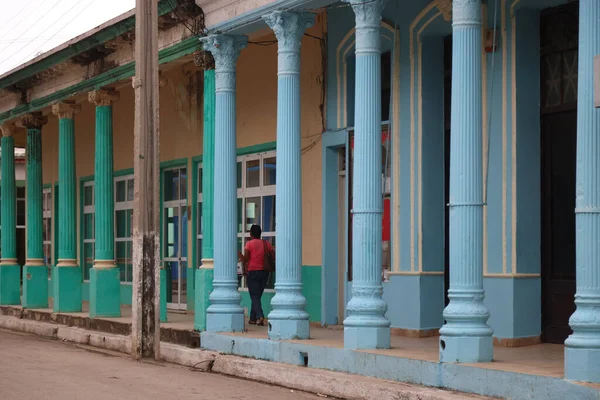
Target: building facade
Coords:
[(422, 168)]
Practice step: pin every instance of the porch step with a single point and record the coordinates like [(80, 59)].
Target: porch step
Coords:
[(117, 326)]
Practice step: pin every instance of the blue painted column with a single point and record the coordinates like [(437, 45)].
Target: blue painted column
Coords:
[(582, 351), (66, 280), (105, 282), (366, 326), (35, 271), (466, 337), (10, 271), (225, 314), (288, 319)]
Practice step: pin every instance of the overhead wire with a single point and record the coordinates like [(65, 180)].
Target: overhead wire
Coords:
[(44, 14), (8, 26), (61, 28)]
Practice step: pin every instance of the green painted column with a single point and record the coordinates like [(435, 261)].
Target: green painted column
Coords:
[(35, 272), (105, 284), (67, 276), (204, 274), (10, 271)]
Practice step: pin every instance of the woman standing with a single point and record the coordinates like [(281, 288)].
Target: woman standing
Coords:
[(253, 260)]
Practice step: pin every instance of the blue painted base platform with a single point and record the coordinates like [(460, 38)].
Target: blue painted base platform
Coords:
[(225, 322), (466, 378), (466, 349), (366, 338), (288, 329), (582, 365)]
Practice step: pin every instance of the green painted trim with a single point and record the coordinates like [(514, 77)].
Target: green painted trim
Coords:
[(102, 36), (257, 148), (194, 212), (82, 181), (47, 186), (183, 48), (197, 159), (55, 219), (87, 178), (123, 172), (180, 162)]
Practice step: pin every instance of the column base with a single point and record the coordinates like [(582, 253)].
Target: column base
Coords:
[(204, 278), (225, 322), (67, 289), (35, 286), (163, 295), (582, 364), (357, 338), (466, 349), (10, 285), (105, 292), (288, 329)]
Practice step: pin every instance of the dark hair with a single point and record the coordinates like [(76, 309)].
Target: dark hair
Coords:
[(255, 231)]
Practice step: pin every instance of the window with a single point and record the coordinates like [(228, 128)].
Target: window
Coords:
[(123, 226), (256, 199), (47, 228), (88, 231)]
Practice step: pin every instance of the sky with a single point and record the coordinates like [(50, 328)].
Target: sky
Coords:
[(31, 27)]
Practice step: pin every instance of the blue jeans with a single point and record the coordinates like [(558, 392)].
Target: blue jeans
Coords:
[(257, 281)]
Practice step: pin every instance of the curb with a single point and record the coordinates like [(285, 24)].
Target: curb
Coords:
[(321, 382)]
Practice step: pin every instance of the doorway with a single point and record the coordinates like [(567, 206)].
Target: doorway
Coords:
[(559, 52), (175, 236)]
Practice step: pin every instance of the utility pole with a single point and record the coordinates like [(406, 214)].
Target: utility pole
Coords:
[(145, 329)]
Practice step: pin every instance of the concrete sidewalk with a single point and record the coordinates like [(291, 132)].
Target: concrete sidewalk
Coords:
[(322, 382)]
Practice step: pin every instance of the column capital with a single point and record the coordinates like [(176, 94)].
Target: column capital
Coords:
[(65, 110), (34, 120), (103, 97), (225, 49), (466, 12), (368, 13), (289, 27), (8, 129)]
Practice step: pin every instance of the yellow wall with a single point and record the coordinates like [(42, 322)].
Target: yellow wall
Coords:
[(181, 123)]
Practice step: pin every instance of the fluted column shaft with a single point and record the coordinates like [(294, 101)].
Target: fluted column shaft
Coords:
[(366, 325), (205, 274), (225, 313), (67, 223), (582, 352), (466, 337), (10, 271), (35, 272), (35, 239), (66, 279), (9, 212), (288, 320), (105, 286)]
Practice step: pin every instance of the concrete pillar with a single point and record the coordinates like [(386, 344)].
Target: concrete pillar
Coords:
[(288, 319), (105, 284), (582, 351), (35, 271), (67, 274), (205, 274), (225, 314), (366, 326), (466, 337), (10, 271)]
